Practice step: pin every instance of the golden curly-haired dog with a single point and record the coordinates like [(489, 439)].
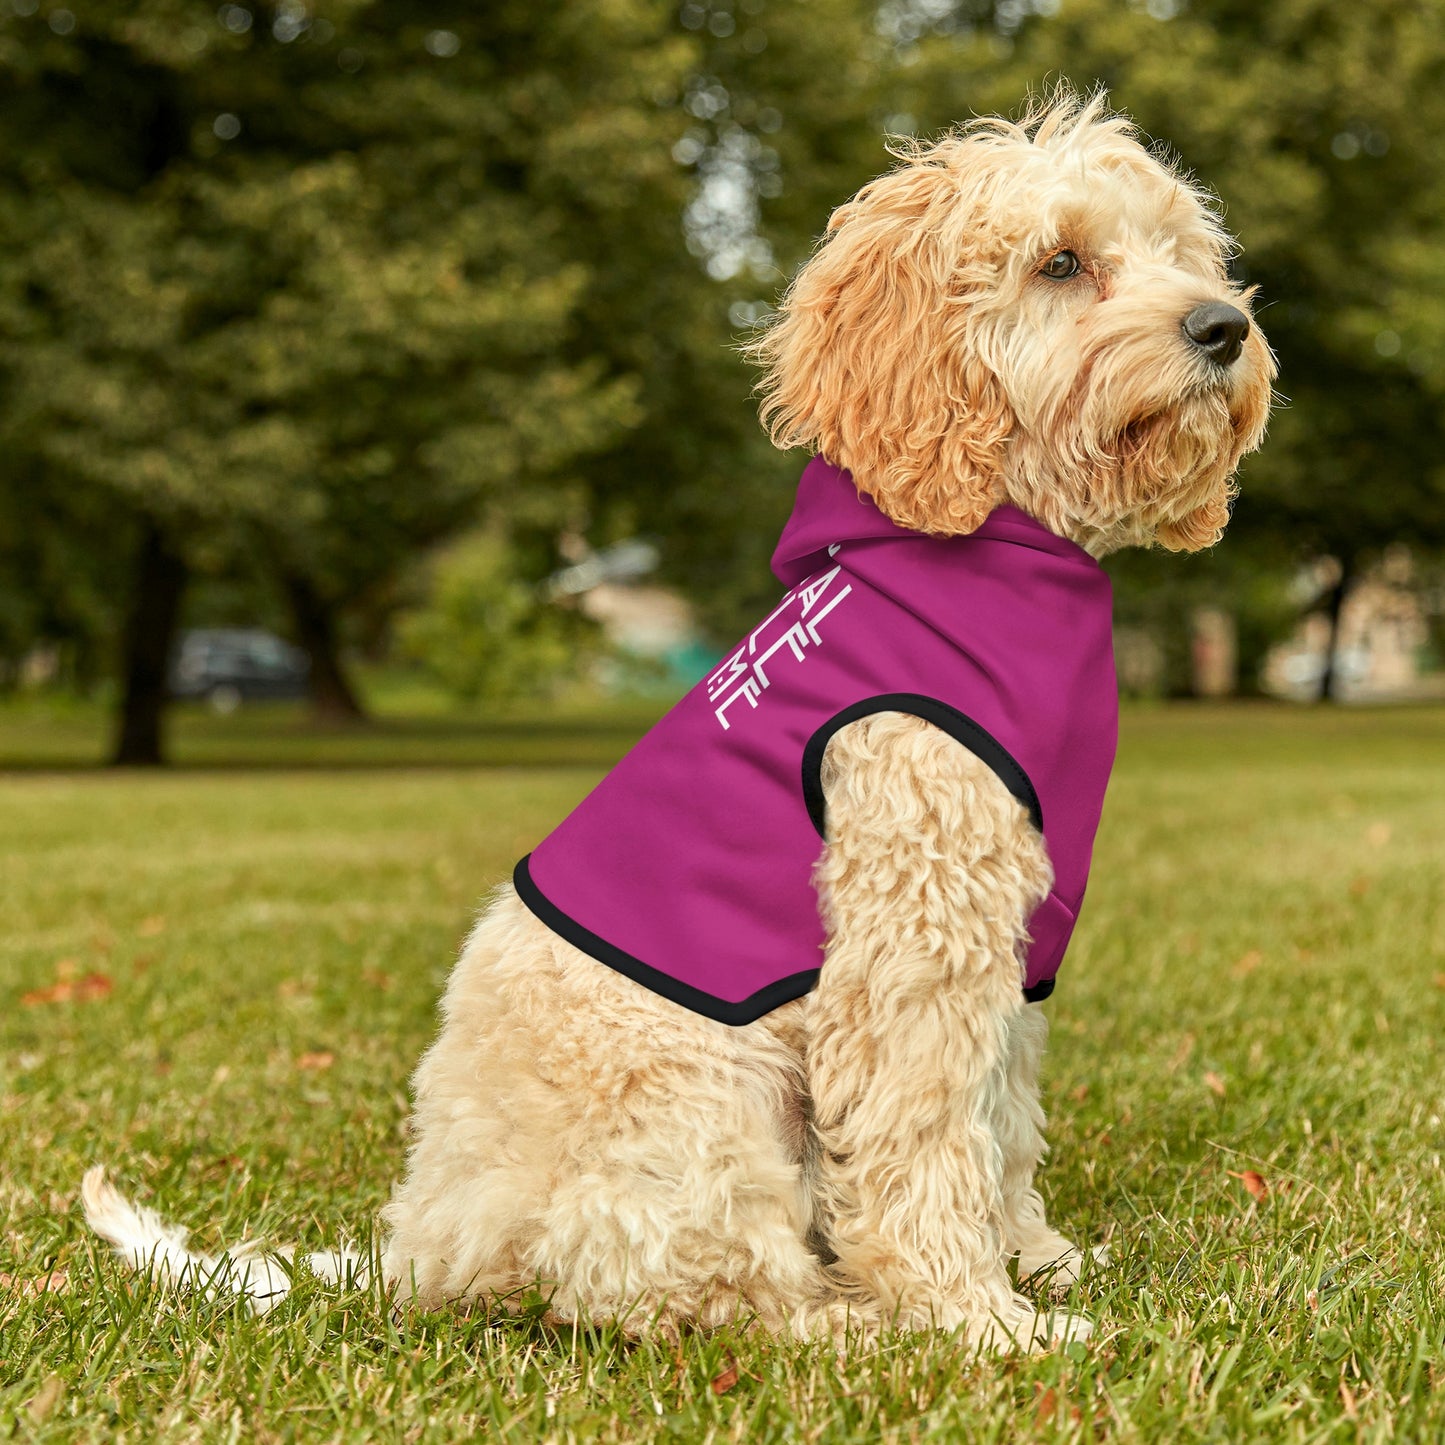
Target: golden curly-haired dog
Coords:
[(1036, 313)]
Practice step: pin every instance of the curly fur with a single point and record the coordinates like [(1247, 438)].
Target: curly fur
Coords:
[(866, 1155), (834, 1165), (921, 348)]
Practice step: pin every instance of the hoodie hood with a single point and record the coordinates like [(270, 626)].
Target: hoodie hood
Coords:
[(830, 511)]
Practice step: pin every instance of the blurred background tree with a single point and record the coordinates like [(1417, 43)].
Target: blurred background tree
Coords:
[(292, 294), (310, 290), (485, 633)]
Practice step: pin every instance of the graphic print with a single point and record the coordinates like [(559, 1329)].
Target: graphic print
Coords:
[(792, 624)]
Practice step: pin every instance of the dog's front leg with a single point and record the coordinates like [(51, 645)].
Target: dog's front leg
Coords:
[(1019, 1127), (929, 875)]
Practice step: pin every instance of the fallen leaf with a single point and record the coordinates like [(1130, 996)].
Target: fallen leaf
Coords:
[(56, 993), (1214, 1083), (1254, 1182), (377, 978), (1248, 963), (724, 1382), (45, 1399), (83, 990), (320, 1059), (1377, 834), (56, 1282), (1359, 887), (151, 927), (1440, 980), (1047, 1408), (1181, 1054), (1080, 1094)]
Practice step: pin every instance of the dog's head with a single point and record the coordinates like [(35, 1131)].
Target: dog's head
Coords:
[(1034, 312)]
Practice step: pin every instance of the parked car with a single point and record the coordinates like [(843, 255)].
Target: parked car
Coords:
[(230, 665)]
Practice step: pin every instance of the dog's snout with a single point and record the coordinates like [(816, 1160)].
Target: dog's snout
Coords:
[(1218, 331)]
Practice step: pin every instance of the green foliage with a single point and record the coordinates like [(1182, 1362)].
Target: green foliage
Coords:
[(1254, 869), (309, 286), (485, 633), (317, 286)]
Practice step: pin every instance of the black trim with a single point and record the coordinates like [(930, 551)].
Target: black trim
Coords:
[(958, 726), (1040, 991), (745, 1011)]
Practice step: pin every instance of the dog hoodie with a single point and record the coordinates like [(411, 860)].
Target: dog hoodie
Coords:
[(689, 867)]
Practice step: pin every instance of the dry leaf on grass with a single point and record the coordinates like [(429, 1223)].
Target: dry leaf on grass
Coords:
[(1254, 1183), (377, 978), (1248, 963), (151, 927), (1181, 1054), (320, 1059), (1046, 1408), (724, 1382), (45, 1399), (56, 1282), (1214, 1083), (66, 990)]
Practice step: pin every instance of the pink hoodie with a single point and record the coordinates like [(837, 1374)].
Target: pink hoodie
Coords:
[(689, 867)]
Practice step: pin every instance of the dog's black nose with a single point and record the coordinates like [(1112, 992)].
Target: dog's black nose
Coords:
[(1218, 331)]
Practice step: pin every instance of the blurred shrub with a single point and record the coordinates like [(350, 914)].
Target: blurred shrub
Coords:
[(487, 633)]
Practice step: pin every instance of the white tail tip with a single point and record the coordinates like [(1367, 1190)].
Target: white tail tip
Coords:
[(147, 1243)]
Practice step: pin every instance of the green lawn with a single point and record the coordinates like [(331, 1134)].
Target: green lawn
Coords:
[(216, 980)]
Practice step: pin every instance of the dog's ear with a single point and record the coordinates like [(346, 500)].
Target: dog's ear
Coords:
[(873, 359)]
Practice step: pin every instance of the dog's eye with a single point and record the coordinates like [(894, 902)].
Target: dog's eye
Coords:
[(1060, 266)]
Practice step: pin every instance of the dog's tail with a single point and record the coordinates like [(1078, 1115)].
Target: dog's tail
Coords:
[(147, 1243)]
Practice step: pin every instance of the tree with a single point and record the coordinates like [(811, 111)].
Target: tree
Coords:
[(309, 289)]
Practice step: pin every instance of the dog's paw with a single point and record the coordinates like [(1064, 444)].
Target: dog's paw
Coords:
[(1059, 1327), (1023, 1326), (1057, 1268)]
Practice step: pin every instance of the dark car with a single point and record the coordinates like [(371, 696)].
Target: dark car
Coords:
[(231, 665)]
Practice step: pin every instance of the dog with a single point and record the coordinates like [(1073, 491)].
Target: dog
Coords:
[(1015, 352)]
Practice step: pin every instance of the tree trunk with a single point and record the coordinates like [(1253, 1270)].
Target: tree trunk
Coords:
[(333, 699), (1329, 678), (150, 631)]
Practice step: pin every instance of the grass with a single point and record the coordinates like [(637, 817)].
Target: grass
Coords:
[(230, 971)]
